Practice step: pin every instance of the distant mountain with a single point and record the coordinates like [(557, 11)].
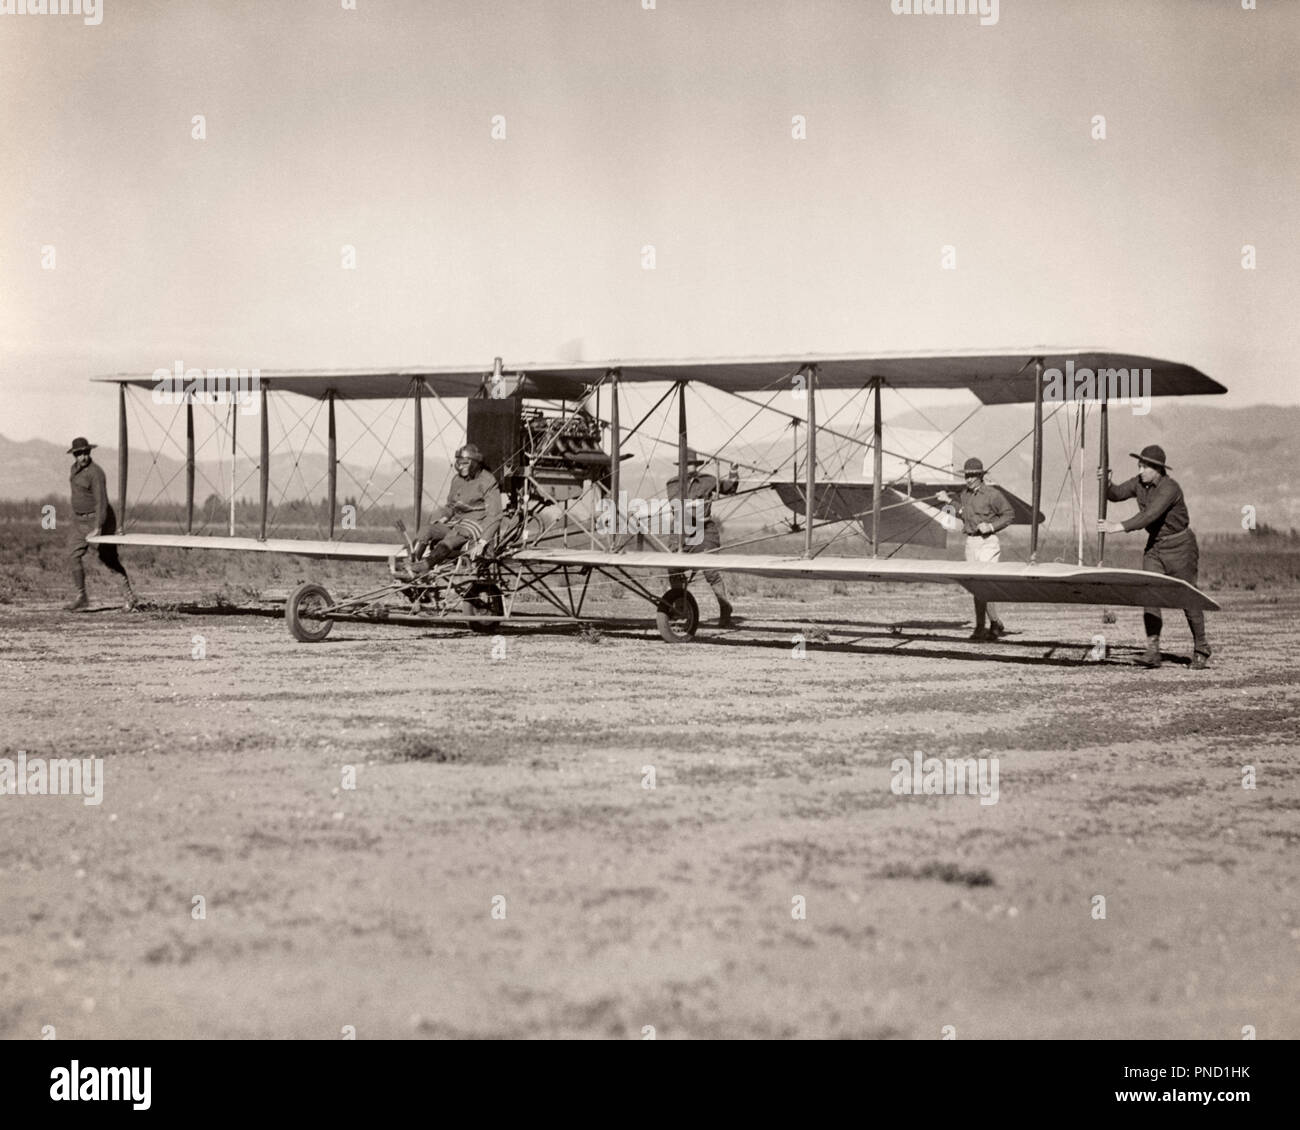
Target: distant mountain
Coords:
[(1225, 459), (35, 468)]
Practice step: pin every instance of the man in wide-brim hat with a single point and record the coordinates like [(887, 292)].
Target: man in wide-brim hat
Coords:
[(91, 516), (983, 510), (701, 529), (1171, 546)]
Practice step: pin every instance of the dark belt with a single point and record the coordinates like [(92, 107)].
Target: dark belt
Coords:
[(1172, 541)]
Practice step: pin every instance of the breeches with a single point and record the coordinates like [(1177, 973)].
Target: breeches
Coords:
[(712, 539), (1175, 556), (451, 537), (82, 526)]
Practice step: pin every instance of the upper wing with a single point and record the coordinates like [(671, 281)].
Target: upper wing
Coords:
[(1050, 584), (1003, 377), (390, 384), (353, 550)]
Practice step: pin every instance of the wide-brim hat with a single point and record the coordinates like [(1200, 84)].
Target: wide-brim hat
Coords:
[(81, 444), (973, 467), (694, 458), (1154, 454), (470, 451)]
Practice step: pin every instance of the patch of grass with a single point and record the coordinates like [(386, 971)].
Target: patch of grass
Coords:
[(414, 745), (716, 774), (642, 895), (160, 609), (944, 872)]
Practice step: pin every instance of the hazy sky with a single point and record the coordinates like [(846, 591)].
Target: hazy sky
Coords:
[(624, 128)]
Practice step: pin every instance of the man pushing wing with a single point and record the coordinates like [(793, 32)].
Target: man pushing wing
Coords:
[(1171, 546)]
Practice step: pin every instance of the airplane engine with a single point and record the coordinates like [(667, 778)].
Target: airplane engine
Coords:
[(559, 448)]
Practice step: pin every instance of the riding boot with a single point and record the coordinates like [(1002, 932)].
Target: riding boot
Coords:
[(440, 553), (80, 602), (1150, 657), (724, 605)]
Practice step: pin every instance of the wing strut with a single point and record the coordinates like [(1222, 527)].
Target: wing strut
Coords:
[(264, 459), (234, 421), (1081, 418), (681, 466), (615, 451), (332, 471), (189, 464), (1037, 493), (1103, 473), (417, 469), (810, 463), (877, 464), (794, 459), (121, 457)]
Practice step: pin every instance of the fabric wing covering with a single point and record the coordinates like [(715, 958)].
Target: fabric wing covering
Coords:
[(302, 547), (1048, 584), (1005, 377)]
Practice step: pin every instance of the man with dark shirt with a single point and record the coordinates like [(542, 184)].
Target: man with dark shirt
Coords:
[(91, 516), (472, 512), (702, 530), (1171, 546), (984, 510)]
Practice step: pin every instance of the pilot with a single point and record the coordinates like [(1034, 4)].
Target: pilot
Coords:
[(1171, 546), (703, 532), (984, 510), (472, 512), (92, 515)]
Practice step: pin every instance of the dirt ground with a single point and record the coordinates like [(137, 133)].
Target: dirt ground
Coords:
[(624, 907)]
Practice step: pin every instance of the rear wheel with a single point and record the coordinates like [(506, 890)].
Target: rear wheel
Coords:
[(677, 616), (483, 598), (302, 612)]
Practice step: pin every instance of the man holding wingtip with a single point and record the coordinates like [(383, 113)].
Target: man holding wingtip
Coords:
[(1171, 545), (983, 510)]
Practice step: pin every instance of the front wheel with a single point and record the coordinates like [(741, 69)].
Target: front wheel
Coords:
[(677, 616), (303, 612)]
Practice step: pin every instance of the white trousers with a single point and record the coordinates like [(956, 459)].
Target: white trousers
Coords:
[(982, 549)]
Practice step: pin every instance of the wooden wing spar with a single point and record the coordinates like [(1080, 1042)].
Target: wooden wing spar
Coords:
[(301, 547), (1001, 377), (1052, 583)]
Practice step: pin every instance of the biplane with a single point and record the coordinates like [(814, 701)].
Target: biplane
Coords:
[(545, 439)]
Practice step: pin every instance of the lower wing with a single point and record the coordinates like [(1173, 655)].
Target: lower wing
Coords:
[(1052, 583), (350, 550)]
